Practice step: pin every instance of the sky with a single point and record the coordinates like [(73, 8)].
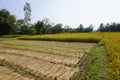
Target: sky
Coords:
[(67, 12)]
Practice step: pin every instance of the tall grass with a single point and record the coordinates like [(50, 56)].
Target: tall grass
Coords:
[(112, 45), (68, 37)]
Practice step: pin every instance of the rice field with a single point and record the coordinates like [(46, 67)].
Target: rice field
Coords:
[(60, 56), (112, 46), (39, 67), (7, 74), (43, 60), (76, 49), (67, 37)]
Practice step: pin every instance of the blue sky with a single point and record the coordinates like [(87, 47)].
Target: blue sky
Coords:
[(68, 12)]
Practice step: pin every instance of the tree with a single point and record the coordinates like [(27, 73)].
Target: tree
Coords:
[(101, 28), (20, 23), (7, 22), (80, 28), (39, 27), (88, 29), (27, 19), (47, 29), (24, 29), (57, 28), (32, 30), (47, 26), (118, 27), (67, 29), (113, 27), (106, 28)]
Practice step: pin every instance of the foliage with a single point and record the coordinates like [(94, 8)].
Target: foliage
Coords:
[(57, 28), (47, 26), (32, 30), (101, 28), (20, 23), (113, 27), (7, 22), (88, 29), (24, 29), (80, 28), (43, 27), (67, 29), (39, 27)]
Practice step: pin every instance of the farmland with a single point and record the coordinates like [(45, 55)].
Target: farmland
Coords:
[(73, 56), (112, 46), (6, 73), (59, 40), (43, 59), (69, 37)]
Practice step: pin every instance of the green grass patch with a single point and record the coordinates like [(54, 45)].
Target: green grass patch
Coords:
[(98, 65), (95, 66)]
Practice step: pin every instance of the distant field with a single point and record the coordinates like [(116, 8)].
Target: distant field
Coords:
[(67, 37)]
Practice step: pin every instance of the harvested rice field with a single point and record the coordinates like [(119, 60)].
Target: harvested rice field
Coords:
[(41, 60), (7, 74)]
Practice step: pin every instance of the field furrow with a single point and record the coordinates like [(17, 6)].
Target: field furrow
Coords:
[(58, 48), (43, 56), (7, 74), (39, 67), (44, 59)]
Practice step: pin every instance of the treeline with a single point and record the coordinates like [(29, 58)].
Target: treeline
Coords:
[(45, 27), (113, 27), (9, 25), (7, 22)]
